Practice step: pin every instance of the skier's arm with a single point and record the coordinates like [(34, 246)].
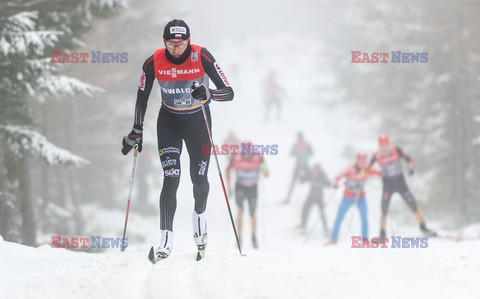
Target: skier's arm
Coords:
[(373, 172), (135, 137), (264, 168), (223, 92), (407, 158), (147, 78), (341, 175)]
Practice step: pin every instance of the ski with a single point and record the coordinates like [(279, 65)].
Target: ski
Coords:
[(151, 256), (200, 252)]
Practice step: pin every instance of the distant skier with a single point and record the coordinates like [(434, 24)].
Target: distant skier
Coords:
[(248, 168), (231, 140), (389, 158), (177, 67), (318, 180), (355, 176), (273, 96), (302, 151)]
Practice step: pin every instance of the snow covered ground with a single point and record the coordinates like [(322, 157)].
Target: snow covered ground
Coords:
[(286, 265), (282, 268)]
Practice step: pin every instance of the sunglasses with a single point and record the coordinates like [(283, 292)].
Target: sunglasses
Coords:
[(180, 44)]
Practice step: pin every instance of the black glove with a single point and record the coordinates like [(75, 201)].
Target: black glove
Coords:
[(200, 92), (135, 137), (411, 171)]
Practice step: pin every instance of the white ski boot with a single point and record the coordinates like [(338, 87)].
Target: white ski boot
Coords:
[(166, 245), (200, 233)]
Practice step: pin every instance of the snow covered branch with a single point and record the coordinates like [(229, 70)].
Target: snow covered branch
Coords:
[(20, 138)]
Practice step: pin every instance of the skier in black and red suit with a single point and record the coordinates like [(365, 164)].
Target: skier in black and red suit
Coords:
[(389, 157), (176, 67), (248, 167)]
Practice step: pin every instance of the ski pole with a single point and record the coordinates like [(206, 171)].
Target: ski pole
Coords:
[(195, 85), (262, 205), (135, 154)]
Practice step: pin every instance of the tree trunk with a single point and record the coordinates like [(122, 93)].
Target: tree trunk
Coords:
[(4, 209), (26, 203)]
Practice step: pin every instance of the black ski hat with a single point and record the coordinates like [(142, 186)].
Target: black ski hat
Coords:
[(176, 29)]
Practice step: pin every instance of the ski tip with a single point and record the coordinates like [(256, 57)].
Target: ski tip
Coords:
[(151, 256)]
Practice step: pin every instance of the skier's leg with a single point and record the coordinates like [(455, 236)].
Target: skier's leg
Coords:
[(386, 196), (362, 207), (322, 214), (307, 206), (252, 205), (239, 196), (412, 203), (267, 109), (278, 107), (194, 137), (292, 184), (169, 148), (344, 206), (407, 196)]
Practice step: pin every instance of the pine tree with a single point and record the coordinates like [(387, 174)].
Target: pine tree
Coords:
[(29, 31)]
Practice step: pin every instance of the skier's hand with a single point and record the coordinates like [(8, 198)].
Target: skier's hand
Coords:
[(134, 137), (266, 173), (335, 186), (200, 92), (411, 171)]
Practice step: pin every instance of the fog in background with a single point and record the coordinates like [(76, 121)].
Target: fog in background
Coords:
[(431, 110)]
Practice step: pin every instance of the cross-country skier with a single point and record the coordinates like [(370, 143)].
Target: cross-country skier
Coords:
[(318, 180), (355, 176), (273, 96), (248, 167), (302, 151), (231, 140), (176, 67), (389, 158)]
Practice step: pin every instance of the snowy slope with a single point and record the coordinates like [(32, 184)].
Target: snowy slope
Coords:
[(444, 270)]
